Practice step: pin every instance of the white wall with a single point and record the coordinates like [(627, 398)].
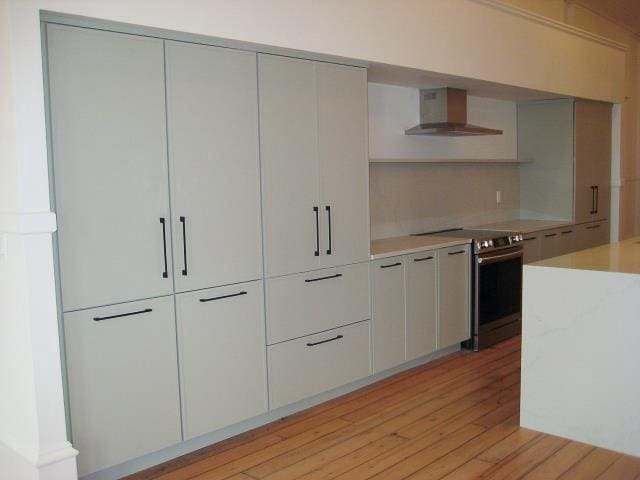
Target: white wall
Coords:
[(394, 109)]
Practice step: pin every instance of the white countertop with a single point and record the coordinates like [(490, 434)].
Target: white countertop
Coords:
[(621, 257), (390, 247), (523, 225)]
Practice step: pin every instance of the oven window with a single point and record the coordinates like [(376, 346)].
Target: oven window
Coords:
[(499, 290)]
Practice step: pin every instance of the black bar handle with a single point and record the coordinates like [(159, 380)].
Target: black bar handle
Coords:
[(549, 235), (591, 227), (529, 239), (456, 253), (328, 209), (309, 280), (337, 337), (422, 259), (146, 310), (567, 231), (165, 274), (317, 252), (593, 199), (183, 221), (392, 265), (597, 198), (223, 296)]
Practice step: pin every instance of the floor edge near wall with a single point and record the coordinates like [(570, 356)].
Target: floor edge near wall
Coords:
[(189, 446)]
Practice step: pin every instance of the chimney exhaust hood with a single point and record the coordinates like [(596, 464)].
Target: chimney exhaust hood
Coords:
[(443, 112)]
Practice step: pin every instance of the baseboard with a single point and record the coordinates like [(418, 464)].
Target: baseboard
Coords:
[(58, 465), (191, 445)]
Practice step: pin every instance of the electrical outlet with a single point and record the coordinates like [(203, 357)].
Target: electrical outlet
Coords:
[(498, 196)]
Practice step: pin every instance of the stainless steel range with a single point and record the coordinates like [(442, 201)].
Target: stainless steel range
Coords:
[(497, 284)]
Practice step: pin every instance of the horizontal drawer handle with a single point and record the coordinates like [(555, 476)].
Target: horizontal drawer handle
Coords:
[(592, 227), (422, 259), (391, 265), (456, 253), (530, 238), (309, 280), (567, 231), (223, 296), (549, 235), (338, 337), (146, 310)]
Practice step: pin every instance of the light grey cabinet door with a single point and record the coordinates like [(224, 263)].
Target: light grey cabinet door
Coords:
[(591, 235), (549, 243), (212, 110), (453, 295), (421, 293), (222, 356), (343, 164), (531, 247), (110, 165), (388, 313), (289, 164), (123, 381), (567, 240)]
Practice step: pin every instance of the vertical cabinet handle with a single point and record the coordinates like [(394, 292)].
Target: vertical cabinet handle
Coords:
[(317, 251), (593, 200), (183, 221), (165, 274), (597, 198), (328, 209)]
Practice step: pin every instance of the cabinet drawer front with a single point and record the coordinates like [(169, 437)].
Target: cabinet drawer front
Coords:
[(222, 356), (307, 366), (123, 381), (306, 303)]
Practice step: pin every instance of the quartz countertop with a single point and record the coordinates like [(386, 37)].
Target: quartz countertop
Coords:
[(621, 257), (390, 247), (523, 225)]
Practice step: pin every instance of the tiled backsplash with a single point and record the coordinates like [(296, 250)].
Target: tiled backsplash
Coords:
[(411, 198)]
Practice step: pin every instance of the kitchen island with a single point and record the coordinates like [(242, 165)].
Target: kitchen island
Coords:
[(581, 346)]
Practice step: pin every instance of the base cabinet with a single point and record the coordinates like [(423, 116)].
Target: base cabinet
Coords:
[(122, 370), (221, 342), (454, 265), (593, 234), (531, 247), (388, 313), (310, 365), (421, 310)]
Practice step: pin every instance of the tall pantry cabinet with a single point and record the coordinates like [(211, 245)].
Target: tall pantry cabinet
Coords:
[(155, 171)]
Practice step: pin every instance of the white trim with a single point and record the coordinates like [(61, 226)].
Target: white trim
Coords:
[(549, 22), (26, 223), (65, 452)]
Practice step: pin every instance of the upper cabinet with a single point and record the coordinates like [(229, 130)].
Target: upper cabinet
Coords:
[(212, 109), (108, 143), (313, 119), (593, 160)]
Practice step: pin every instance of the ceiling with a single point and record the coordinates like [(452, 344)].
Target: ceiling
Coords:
[(624, 12)]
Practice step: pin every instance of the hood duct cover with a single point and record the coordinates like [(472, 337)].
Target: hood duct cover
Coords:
[(443, 111)]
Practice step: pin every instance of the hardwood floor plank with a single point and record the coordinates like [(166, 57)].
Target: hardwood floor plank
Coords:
[(516, 466), (624, 468), (509, 445), (472, 469), (559, 462), (591, 465)]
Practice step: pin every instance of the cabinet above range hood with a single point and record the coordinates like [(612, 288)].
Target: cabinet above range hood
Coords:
[(443, 112)]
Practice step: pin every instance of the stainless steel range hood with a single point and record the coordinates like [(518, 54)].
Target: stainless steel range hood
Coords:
[(443, 111)]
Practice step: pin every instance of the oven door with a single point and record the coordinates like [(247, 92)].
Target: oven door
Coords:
[(498, 296)]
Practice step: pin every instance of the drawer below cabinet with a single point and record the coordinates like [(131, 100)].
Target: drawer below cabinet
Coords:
[(310, 302), (310, 365)]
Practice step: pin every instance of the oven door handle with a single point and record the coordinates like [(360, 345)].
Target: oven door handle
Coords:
[(497, 258)]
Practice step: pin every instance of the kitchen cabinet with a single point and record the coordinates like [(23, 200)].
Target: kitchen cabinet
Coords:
[(592, 160), (549, 243), (310, 302), (454, 322), (313, 364), (314, 164), (592, 234), (421, 308), (388, 312), (221, 342), (110, 174), (212, 111), (123, 381), (567, 242), (531, 247)]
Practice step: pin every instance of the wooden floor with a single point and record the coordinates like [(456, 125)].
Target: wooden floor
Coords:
[(455, 418)]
